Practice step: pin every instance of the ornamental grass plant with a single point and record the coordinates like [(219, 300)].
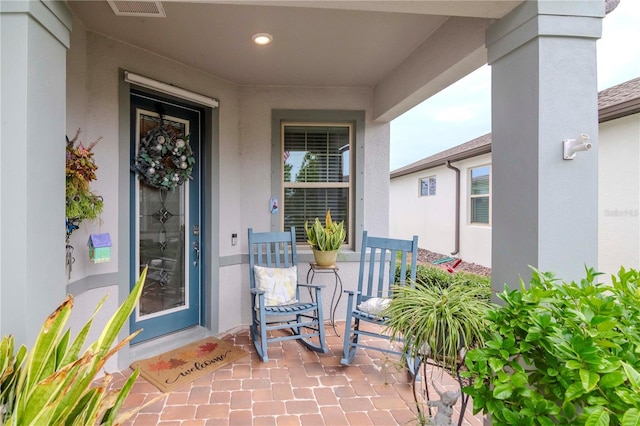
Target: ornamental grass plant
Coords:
[(437, 319)]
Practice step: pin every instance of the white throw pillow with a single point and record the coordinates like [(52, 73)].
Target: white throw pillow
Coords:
[(374, 305), (279, 284)]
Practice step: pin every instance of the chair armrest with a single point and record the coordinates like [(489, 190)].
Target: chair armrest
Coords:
[(311, 285), (257, 291), (350, 299)]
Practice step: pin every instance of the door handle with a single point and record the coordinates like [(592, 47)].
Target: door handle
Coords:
[(196, 250)]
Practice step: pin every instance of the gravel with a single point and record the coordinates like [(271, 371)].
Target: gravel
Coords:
[(428, 257)]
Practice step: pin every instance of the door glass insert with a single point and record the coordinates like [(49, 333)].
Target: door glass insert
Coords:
[(161, 223)]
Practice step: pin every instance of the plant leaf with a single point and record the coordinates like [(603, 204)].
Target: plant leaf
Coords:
[(574, 391), (589, 379), (116, 322), (39, 358), (111, 413), (632, 375), (502, 391), (612, 380), (631, 417), (599, 417)]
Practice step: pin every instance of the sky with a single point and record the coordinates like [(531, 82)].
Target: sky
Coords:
[(462, 111)]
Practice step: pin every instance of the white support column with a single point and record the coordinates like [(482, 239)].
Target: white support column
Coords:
[(34, 39), (544, 208)]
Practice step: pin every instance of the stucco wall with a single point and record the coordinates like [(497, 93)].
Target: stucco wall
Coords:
[(34, 39), (94, 108), (619, 194), (94, 105), (77, 118), (475, 239), (253, 189), (243, 158), (432, 218)]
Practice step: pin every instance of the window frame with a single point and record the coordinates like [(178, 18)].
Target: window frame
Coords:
[(320, 185), (356, 118), (429, 179), (472, 196)]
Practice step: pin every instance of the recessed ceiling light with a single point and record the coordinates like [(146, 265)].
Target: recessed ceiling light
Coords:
[(262, 38)]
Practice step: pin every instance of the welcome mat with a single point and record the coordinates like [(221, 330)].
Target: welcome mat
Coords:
[(178, 367)]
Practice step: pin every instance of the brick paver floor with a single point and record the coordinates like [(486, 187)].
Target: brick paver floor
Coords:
[(296, 387)]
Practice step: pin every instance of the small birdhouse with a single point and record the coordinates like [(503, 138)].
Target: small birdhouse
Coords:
[(99, 248)]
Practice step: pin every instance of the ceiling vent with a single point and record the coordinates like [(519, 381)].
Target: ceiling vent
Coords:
[(148, 9)]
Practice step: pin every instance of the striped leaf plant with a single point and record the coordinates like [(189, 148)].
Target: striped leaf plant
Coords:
[(54, 383), (327, 237)]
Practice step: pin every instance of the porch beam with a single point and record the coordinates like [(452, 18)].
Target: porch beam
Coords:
[(468, 8), (458, 46)]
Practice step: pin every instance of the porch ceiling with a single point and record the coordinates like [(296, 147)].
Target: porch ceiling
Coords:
[(405, 51)]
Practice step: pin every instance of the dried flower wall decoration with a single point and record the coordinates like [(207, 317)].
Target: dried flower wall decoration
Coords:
[(81, 202)]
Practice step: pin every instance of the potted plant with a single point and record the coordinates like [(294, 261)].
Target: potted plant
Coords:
[(81, 202), (325, 240), (438, 322)]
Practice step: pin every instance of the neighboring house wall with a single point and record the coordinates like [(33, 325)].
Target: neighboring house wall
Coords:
[(432, 218), (619, 194), (475, 238), (618, 203)]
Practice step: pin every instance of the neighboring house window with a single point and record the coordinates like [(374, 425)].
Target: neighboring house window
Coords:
[(316, 173), (428, 186), (480, 194)]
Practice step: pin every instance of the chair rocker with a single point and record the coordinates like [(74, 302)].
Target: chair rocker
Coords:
[(374, 282), (303, 318)]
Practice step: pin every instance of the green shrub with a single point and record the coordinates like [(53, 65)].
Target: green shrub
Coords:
[(433, 276), (561, 353)]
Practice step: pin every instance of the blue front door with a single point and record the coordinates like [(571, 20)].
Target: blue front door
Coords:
[(165, 217)]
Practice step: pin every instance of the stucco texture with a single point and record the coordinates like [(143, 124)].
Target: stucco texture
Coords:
[(242, 158)]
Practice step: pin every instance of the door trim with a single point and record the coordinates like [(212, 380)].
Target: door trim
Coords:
[(168, 89), (210, 219), (169, 320)]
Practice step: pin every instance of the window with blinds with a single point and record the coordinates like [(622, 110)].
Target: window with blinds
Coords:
[(480, 194), (316, 174)]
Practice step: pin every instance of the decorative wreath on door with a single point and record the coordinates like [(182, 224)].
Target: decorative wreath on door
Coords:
[(165, 160)]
